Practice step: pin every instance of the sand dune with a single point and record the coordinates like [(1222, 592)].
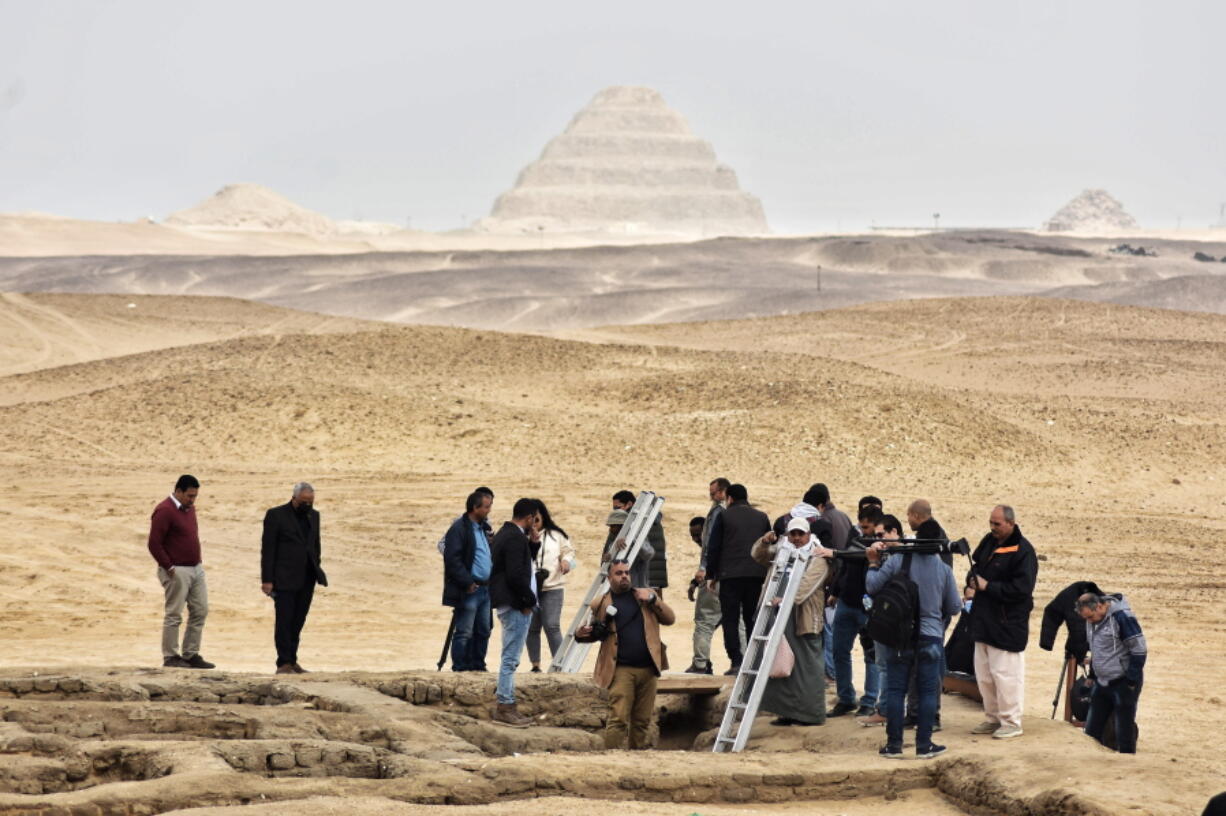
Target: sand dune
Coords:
[(1102, 424), (549, 290), (1199, 293)]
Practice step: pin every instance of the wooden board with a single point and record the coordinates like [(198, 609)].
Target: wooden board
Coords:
[(692, 683)]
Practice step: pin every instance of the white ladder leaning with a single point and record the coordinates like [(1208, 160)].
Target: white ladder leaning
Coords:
[(572, 653), (782, 582)]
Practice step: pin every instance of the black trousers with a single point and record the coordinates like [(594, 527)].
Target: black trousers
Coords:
[(292, 608), (738, 600)]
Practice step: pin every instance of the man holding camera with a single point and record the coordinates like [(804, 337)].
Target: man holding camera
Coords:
[(1003, 571), (627, 623), (939, 601), (1117, 656)]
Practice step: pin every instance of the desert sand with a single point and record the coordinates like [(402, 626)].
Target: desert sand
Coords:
[(1103, 425), (549, 290)]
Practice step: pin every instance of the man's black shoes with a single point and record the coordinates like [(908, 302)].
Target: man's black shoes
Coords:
[(933, 750), (890, 753), (696, 669), (732, 672), (198, 662), (865, 711), (175, 662), (840, 709)]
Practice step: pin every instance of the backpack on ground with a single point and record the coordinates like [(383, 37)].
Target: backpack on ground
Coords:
[(894, 618)]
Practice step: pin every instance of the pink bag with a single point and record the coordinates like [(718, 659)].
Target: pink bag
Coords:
[(785, 661)]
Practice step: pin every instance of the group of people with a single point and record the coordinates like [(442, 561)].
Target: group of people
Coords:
[(520, 573), (290, 555), (902, 684)]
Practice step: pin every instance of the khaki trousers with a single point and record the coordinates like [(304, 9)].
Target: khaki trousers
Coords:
[(1002, 682), (706, 619), (632, 704), (186, 587)]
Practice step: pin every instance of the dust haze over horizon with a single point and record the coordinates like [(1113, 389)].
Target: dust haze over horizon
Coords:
[(837, 117)]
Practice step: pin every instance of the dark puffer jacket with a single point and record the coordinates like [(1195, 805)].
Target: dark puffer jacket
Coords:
[(1000, 616)]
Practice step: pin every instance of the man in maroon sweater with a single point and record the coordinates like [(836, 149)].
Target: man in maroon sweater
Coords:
[(174, 542)]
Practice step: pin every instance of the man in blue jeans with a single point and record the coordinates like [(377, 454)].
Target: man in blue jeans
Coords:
[(513, 594), (466, 575), (849, 619), (938, 601)]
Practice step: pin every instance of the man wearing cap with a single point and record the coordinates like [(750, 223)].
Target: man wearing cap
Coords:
[(615, 546)]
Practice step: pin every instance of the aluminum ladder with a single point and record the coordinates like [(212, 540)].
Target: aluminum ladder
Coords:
[(571, 654), (782, 582)]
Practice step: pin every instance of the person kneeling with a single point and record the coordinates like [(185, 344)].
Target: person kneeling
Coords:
[(627, 623)]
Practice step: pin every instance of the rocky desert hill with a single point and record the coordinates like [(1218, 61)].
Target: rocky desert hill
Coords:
[(1102, 424)]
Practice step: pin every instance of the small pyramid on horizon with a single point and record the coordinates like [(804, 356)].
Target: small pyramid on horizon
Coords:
[(627, 163), (1091, 211), (252, 207)]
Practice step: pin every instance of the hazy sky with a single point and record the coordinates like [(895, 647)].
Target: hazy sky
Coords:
[(835, 114)]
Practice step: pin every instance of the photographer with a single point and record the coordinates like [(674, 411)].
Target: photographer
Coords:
[(1117, 657), (939, 600), (631, 655)]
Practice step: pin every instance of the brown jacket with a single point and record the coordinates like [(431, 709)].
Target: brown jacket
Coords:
[(809, 609), (606, 661)]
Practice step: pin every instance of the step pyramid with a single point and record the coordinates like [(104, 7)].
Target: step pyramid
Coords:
[(627, 163)]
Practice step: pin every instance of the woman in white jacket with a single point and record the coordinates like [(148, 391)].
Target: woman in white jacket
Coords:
[(557, 557)]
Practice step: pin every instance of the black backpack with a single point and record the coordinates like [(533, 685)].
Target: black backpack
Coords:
[(894, 618)]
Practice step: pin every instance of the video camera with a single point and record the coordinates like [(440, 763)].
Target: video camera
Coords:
[(857, 546)]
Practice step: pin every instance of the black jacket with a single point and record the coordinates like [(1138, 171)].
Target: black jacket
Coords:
[(459, 545), (738, 527), (931, 529), (1000, 615), (285, 556), (657, 567), (511, 576), (1061, 611)]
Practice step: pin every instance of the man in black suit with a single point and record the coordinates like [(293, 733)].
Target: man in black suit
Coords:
[(513, 593), (289, 570)]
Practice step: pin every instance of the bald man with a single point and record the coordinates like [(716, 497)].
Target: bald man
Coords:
[(1003, 568)]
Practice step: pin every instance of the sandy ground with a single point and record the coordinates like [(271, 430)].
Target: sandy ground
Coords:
[(1103, 425)]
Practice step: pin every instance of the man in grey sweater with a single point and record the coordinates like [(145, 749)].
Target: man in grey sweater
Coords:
[(1117, 656), (939, 601)]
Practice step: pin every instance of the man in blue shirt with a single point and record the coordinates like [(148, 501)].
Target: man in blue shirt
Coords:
[(466, 577), (938, 601)]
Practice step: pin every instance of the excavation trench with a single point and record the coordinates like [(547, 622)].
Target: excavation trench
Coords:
[(181, 740)]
